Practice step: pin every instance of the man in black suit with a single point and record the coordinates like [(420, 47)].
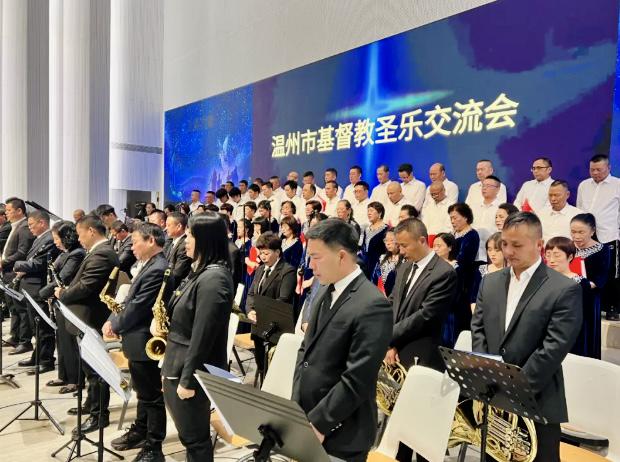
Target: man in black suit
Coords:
[(180, 263), (33, 274), (275, 279), (531, 316), (82, 298), (349, 331), (424, 291), (5, 227), (122, 246), (132, 324), (17, 246)]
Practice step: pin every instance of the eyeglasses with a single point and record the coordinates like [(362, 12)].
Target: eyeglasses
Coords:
[(536, 167), (489, 186)]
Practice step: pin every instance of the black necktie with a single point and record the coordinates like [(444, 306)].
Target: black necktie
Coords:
[(408, 282), (262, 281), (325, 305)]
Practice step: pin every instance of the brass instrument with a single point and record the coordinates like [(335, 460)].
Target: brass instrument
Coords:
[(156, 346), (510, 438), (389, 383), (112, 304)]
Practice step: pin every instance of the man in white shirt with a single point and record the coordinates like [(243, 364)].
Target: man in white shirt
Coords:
[(379, 192), (309, 179), (484, 212), (331, 198), (556, 217), (209, 199), (237, 202), (195, 202), (437, 172), (293, 175), (355, 175), (600, 195), (254, 193), (484, 168), (360, 203), (267, 190), (396, 200), (243, 187), (435, 211), (414, 190), (534, 194), (290, 193), (331, 174), (278, 192), (308, 193)]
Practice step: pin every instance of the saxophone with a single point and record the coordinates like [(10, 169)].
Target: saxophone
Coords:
[(112, 304), (156, 346)]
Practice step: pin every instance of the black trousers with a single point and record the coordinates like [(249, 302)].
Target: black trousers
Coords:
[(151, 418), (191, 417), (95, 392), (548, 442), (46, 341), (68, 352), (21, 329)]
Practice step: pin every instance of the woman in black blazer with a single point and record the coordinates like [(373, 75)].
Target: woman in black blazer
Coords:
[(201, 308)]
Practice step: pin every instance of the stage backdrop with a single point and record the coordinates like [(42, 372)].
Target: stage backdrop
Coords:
[(507, 81)]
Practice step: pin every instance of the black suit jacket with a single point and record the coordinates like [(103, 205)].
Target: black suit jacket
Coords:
[(541, 332), (201, 310), (35, 264), (17, 247), (126, 256), (180, 263), (5, 230), (134, 321), (66, 266), (280, 285), (418, 320), (337, 365), (82, 295), (237, 264)]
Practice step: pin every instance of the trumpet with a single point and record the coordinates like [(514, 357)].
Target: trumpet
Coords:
[(112, 304), (156, 346)]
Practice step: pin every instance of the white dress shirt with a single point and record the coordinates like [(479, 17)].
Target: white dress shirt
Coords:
[(13, 226), (280, 194), (474, 195), (536, 193), (603, 201), (452, 192), (484, 215), (194, 205), (392, 210), (516, 289), (415, 192), (379, 193), (275, 206), (340, 286), (349, 193), (421, 265), (330, 206), (435, 216), (557, 224), (360, 211)]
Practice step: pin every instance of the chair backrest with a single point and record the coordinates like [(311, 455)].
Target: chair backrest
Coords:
[(279, 378), (463, 343), (593, 398), (298, 330), (233, 323), (423, 414)]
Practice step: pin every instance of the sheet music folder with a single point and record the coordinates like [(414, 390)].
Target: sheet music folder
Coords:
[(244, 409)]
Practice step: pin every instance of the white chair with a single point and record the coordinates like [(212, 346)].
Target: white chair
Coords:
[(233, 323), (463, 343), (279, 378), (422, 416), (298, 330), (593, 398)]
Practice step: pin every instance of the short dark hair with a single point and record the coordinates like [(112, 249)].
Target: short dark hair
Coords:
[(408, 168), (258, 180), (264, 204), (251, 205), (274, 177), (147, 230), (291, 204), (17, 203), (245, 182), (412, 226), (268, 184), (94, 222), (160, 213), (180, 218), (196, 190), (308, 173), (335, 234), (262, 222), (563, 183), (463, 210), (209, 208), (562, 243), (331, 170), (411, 210), (508, 207), (384, 167), (332, 182), (104, 209), (234, 191), (40, 215), (358, 168), (363, 184), (254, 187), (292, 223), (528, 219), (170, 208), (221, 193), (227, 207), (599, 158), (211, 236), (67, 234), (316, 206), (119, 226), (545, 160), (291, 184), (269, 240), (450, 242), (484, 160), (210, 192), (230, 183), (494, 178), (378, 206)]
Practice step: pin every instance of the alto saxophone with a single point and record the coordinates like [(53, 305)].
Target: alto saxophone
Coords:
[(156, 346), (112, 304)]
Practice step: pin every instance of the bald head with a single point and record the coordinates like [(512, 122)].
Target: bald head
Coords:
[(437, 191), (437, 172), (394, 192)]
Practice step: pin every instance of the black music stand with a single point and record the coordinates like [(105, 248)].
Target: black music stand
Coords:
[(274, 423), (36, 402), (8, 379), (273, 318), (492, 382)]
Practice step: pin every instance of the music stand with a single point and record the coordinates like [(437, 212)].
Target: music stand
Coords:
[(92, 350), (273, 318), (8, 379), (494, 383), (276, 424), (37, 403)]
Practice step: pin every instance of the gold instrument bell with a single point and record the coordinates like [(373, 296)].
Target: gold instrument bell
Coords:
[(109, 300), (156, 346), (389, 383)]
